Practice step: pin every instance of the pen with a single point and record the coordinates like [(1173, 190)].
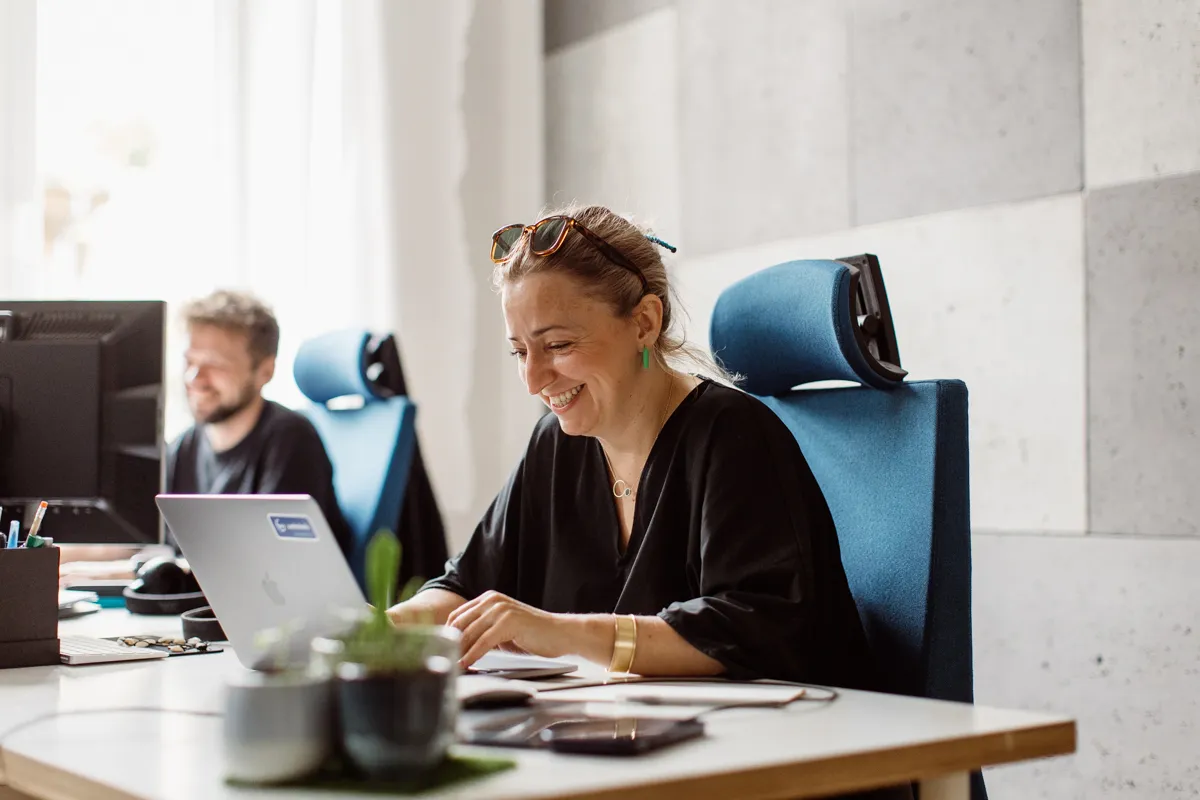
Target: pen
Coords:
[(37, 518), (14, 533)]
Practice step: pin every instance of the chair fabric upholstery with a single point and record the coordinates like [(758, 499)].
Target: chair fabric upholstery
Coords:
[(371, 447), (789, 325), (900, 505), (334, 365), (891, 461)]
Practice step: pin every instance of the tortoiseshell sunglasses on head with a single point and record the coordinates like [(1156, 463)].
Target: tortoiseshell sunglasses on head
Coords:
[(547, 235)]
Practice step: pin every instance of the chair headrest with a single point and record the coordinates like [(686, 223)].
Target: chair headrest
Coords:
[(335, 365), (806, 321)]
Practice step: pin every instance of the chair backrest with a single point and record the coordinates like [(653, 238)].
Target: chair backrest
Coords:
[(370, 445), (890, 457)]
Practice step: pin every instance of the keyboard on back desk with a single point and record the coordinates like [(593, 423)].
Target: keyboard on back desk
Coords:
[(76, 650)]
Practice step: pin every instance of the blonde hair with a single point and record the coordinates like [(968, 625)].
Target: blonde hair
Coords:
[(240, 312), (612, 283)]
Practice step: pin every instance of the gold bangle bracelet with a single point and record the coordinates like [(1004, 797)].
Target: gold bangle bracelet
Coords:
[(624, 644)]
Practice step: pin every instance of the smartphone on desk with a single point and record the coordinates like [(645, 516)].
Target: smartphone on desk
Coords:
[(619, 737)]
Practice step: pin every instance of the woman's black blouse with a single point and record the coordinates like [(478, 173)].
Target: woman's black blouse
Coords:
[(732, 542)]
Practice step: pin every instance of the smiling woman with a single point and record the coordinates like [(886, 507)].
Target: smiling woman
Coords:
[(660, 522)]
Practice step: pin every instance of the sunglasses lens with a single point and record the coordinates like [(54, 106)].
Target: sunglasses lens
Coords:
[(547, 234), (504, 242)]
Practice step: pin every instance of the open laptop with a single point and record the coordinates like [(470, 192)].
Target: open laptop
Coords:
[(265, 562), (271, 561)]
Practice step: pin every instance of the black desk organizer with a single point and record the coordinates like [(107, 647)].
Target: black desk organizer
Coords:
[(28, 607)]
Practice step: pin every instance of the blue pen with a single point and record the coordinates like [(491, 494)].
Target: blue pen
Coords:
[(14, 533)]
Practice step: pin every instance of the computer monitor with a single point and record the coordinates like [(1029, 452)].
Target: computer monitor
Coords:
[(81, 418)]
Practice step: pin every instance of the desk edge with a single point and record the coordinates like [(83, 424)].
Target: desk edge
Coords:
[(834, 775), (841, 774)]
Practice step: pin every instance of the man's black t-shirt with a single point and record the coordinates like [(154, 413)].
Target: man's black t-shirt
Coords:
[(282, 454)]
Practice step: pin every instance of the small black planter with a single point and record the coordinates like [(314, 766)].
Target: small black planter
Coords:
[(397, 704), (395, 726)]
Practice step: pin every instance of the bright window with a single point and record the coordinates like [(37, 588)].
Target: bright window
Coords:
[(126, 158), (186, 146)]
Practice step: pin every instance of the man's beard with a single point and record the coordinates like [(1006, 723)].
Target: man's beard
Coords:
[(227, 410)]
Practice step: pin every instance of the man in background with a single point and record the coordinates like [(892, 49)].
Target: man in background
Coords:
[(241, 443)]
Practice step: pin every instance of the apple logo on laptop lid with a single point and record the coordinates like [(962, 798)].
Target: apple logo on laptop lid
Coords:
[(271, 589)]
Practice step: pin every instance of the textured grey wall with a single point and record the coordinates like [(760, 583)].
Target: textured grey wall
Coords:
[(1029, 174)]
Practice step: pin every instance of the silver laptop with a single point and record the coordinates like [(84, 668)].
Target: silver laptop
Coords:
[(265, 562)]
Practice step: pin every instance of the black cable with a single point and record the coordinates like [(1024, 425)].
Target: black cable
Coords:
[(830, 694), (777, 705)]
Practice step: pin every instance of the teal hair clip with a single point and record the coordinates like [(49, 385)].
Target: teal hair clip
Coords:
[(661, 243)]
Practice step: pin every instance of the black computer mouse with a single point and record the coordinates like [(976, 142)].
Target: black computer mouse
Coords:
[(164, 576), (495, 697)]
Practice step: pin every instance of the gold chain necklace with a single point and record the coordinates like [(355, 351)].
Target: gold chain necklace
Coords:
[(620, 488)]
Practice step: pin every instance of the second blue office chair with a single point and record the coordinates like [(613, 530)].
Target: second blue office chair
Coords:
[(890, 457), (371, 446)]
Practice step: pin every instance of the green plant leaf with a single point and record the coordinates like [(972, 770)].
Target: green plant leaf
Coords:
[(375, 642), (382, 567), (411, 588)]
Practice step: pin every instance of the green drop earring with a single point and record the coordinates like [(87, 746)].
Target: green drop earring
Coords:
[(645, 358)]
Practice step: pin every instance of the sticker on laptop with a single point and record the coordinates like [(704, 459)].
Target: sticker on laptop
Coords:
[(292, 526)]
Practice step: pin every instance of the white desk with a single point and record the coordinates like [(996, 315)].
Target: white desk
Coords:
[(860, 741)]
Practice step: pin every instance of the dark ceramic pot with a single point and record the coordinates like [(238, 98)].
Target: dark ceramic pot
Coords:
[(397, 725)]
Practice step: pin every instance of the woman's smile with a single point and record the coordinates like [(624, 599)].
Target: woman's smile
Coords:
[(560, 402)]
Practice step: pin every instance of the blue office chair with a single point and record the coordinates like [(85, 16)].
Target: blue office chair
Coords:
[(371, 446), (890, 457)]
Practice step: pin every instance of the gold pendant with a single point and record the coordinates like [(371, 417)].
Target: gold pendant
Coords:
[(621, 489)]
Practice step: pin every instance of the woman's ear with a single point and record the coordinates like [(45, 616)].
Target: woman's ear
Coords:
[(648, 316)]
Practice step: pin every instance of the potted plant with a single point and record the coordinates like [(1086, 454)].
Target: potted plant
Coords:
[(278, 724), (393, 683)]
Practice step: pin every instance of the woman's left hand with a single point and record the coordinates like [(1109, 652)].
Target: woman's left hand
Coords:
[(493, 620)]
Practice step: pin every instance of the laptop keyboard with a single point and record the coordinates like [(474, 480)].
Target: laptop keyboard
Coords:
[(75, 650)]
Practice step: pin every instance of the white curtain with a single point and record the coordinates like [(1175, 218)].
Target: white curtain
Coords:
[(19, 227), (299, 133), (261, 123), (377, 144), (346, 160)]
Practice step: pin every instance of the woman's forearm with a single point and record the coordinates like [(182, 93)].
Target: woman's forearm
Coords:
[(431, 605), (660, 650)]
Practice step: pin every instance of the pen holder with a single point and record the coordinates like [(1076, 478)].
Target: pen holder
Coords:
[(28, 607)]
